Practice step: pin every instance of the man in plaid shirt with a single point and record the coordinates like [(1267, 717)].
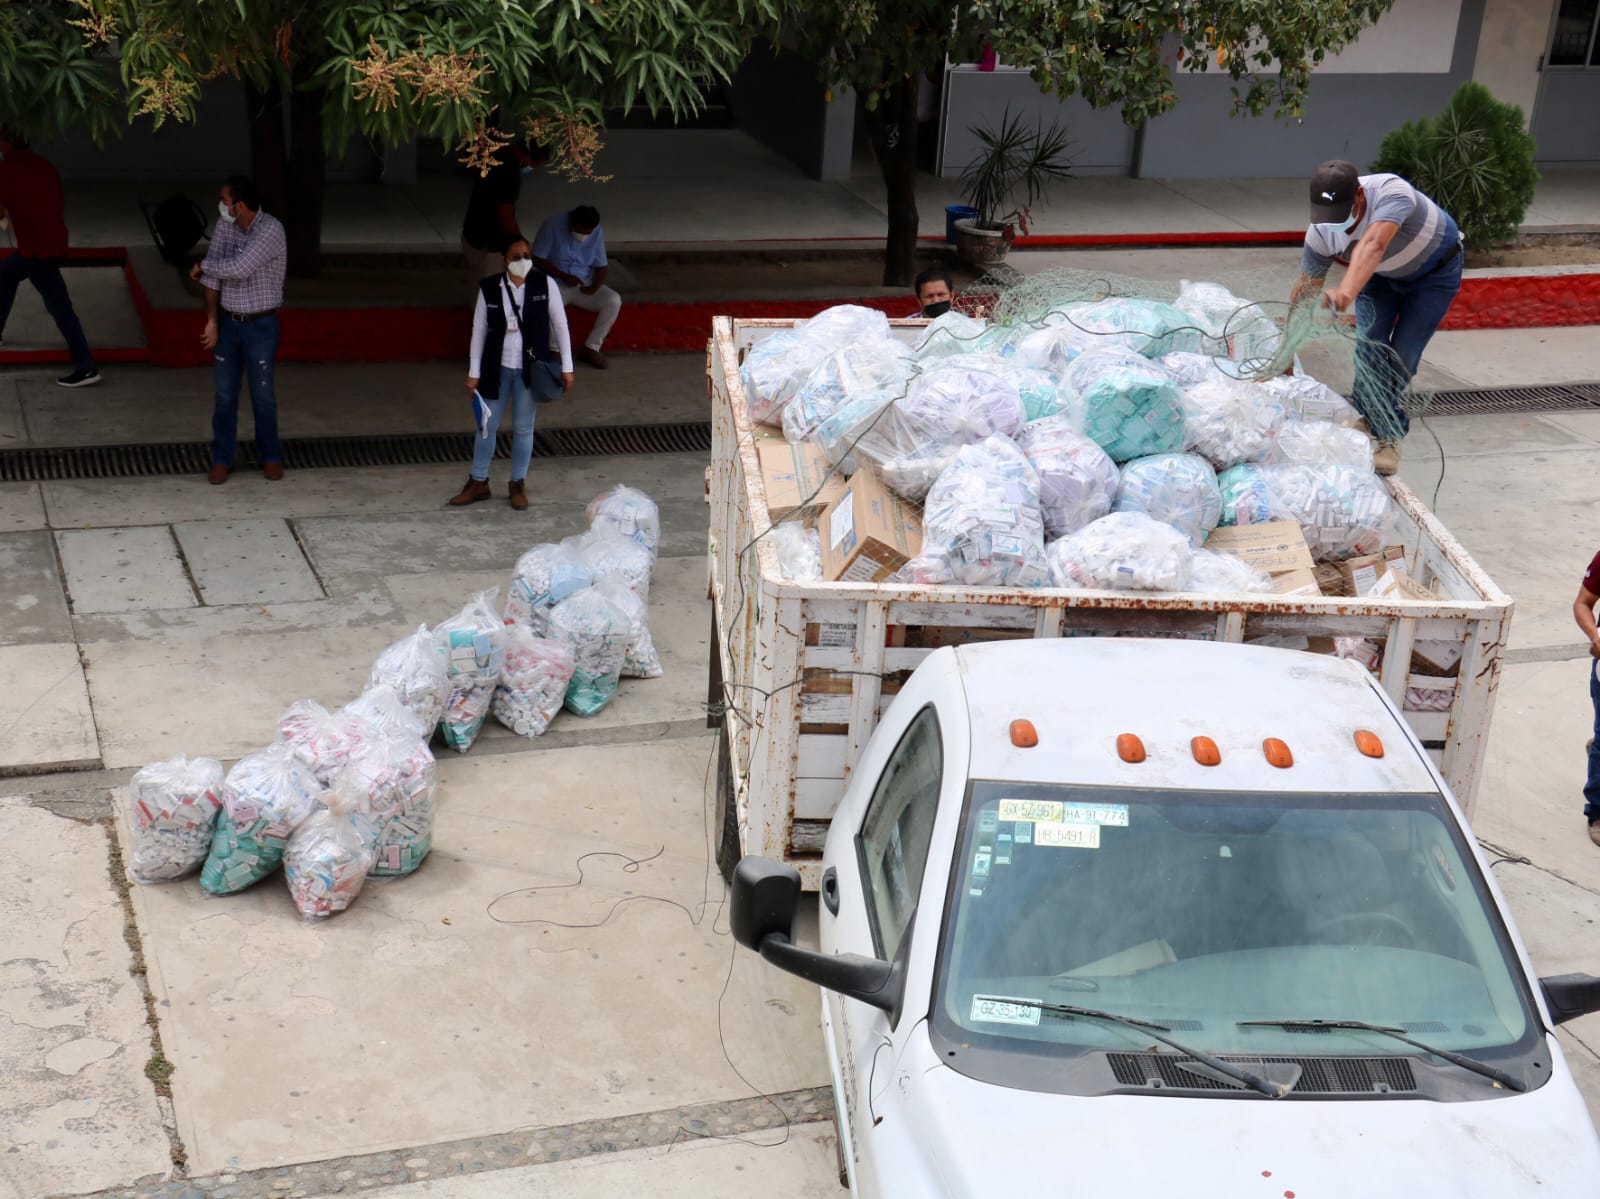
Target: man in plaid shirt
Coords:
[(243, 276)]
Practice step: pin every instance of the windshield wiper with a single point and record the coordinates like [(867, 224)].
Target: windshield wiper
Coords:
[(1509, 1081), (1237, 1073)]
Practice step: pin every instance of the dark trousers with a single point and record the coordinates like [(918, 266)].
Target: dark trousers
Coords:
[(45, 275), (1591, 789), (1396, 318), (245, 349)]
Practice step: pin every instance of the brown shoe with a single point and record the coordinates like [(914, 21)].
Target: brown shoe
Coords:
[(593, 357), (219, 474), (519, 494), (1594, 831), (475, 490), (272, 470), (1386, 458)]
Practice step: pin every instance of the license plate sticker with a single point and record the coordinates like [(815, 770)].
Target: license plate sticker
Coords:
[(998, 1009)]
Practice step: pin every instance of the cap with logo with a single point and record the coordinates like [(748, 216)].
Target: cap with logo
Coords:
[(1333, 191)]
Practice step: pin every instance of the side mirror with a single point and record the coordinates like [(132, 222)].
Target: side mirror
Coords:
[(765, 900), (1569, 996)]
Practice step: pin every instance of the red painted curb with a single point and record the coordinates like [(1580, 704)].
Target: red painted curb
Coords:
[(410, 334)]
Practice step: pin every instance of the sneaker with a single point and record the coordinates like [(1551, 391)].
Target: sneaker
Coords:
[(1594, 831), (1386, 458), (86, 378)]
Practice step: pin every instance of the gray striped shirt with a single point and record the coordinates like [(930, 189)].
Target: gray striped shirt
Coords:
[(1425, 229)]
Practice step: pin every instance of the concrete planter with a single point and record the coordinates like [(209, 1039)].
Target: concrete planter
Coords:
[(981, 246)]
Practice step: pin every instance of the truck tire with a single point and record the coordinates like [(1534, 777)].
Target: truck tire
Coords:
[(725, 811)]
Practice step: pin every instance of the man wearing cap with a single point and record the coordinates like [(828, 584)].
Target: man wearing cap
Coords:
[(1404, 256)]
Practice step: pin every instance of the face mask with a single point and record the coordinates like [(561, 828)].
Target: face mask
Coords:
[(527, 170), (520, 268), (580, 238), (1338, 232), (225, 212), (939, 309)]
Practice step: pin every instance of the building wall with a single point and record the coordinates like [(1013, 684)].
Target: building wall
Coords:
[(1405, 66), (214, 144), (1510, 47), (779, 100), (973, 98)]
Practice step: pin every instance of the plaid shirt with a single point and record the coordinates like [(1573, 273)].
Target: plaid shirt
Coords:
[(247, 268)]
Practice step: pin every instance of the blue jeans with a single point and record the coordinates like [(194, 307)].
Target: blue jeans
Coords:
[(1591, 789), (546, 386), (242, 346), (1396, 318), (45, 275)]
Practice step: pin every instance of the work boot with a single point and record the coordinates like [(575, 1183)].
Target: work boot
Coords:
[(1386, 458), (593, 357), (472, 492), (518, 491), (219, 474), (273, 471), (1594, 831)]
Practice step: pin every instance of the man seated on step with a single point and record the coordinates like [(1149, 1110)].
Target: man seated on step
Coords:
[(570, 247)]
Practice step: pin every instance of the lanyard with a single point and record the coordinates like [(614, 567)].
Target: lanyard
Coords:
[(511, 304)]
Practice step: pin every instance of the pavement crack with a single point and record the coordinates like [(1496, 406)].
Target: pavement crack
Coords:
[(157, 1069)]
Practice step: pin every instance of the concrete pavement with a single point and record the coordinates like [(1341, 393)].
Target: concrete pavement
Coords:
[(417, 1033)]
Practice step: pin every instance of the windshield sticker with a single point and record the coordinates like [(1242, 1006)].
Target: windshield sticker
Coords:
[(1002, 850), (997, 1009), (980, 863), (1023, 832), (1071, 836), (1114, 814), (1030, 809), (987, 821)]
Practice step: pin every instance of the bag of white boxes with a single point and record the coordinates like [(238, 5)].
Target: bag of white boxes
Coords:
[(1117, 444), (340, 797)]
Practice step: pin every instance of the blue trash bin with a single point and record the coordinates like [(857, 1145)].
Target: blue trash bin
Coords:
[(954, 213)]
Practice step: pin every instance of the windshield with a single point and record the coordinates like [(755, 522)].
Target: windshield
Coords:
[(1197, 911)]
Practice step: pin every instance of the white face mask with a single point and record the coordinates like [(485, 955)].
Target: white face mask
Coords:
[(580, 238), (520, 268), (225, 212)]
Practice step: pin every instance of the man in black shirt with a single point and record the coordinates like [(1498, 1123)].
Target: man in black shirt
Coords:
[(491, 219)]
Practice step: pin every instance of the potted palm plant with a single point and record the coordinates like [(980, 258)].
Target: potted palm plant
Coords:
[(1012, 172)]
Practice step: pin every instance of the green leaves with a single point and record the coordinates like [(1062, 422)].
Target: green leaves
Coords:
[(387, 69), (1475, 160)]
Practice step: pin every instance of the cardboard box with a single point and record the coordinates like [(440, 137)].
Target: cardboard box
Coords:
[(1394, 585), (1275, 547), (1330, 579), (1441, 659), (1295, 582), (868, 533), (794, 474), (1364, 575)]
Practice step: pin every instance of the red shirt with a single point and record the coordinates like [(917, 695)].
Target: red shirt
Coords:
[(1591, 577), (30, 191)]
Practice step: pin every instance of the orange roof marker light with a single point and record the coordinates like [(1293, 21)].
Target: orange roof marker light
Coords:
[(1130, 748), (1023, 734), (1205, 751), (1367, 742), (1277, 753)]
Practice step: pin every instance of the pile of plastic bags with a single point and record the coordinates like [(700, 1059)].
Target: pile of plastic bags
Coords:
[(1118, 406), (346, 795)]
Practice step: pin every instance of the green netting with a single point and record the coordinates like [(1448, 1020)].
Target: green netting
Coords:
[(1242, 316)]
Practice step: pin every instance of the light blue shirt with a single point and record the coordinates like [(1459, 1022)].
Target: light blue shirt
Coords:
[(556, 245)]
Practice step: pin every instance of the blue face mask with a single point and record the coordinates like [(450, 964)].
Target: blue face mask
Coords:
[(527, 170), (1338, 231)]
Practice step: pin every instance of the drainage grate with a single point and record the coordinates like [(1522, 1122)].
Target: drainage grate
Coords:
[(48, 463), (1511, 399)]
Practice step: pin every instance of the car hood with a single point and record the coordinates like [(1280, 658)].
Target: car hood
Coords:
[(976, 1139)]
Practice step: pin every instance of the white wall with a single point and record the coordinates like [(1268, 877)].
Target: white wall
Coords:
[(1510, 45)]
